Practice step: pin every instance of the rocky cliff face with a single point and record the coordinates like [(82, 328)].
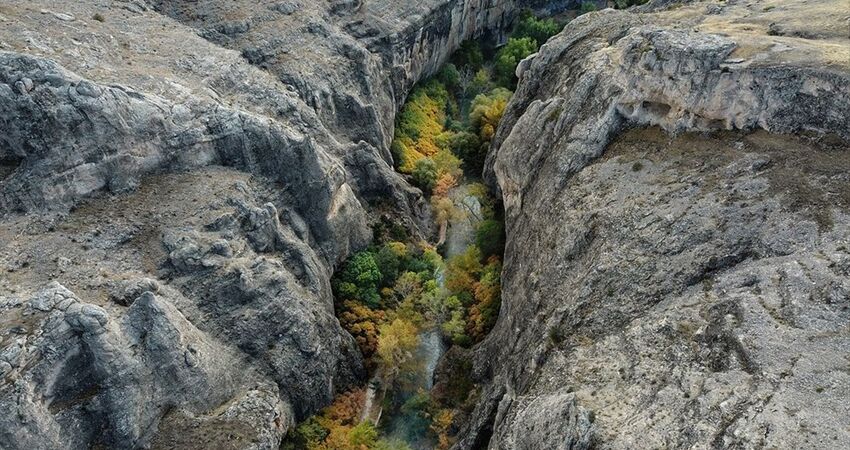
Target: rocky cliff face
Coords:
[(676, 192), (178, 181)]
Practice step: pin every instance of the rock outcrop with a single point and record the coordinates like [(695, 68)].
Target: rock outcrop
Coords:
[(677, 204), (178, 181)]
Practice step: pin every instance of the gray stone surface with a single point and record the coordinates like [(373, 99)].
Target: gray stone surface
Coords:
[(677, 199), (192, 173)]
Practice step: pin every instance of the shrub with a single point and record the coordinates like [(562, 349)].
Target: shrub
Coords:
[(98, 17), (425, 174)]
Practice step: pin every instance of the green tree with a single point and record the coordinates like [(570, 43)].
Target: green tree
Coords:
[(450, 77), (587, 7), (359, 279), (490, 238), (486, 113), (509, 57), (425, 174), (391, 444), (540, 30), (467, 147), (391, 258), (308, 434), (469, 55)]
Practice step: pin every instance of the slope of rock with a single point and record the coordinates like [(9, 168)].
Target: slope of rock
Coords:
[(178, 181), (677, 203)]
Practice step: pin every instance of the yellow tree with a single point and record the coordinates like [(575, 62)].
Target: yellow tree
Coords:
[(397, 343)]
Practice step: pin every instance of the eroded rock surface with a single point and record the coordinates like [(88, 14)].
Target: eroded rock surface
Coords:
[(178, 181), (676, 192)]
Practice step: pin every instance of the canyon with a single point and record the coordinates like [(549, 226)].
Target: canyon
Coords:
[(180, 180)]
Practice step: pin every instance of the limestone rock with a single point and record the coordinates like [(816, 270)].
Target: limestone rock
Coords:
[(192, 173), (676, 211)]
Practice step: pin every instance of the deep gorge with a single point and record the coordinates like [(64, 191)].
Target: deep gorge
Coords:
[(229, 221), (405, 301)]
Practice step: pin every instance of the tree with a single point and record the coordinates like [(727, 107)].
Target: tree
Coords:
[(587, 7), (462, 271), (450, 77), (362, 322), (397, 343), (468, 148), (485, 311), (359, 279), (482, 81), (346, 407), (487, 111), (509, 57), (540, 30), (391, 444), (407, 286), (425, 174), (469, 55), (455, 328), (307, 435), (363, 435), (490, 238)]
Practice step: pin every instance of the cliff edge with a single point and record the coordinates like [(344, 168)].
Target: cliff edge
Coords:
[(676, 193)]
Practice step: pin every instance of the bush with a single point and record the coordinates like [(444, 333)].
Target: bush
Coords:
[(425, 174), (509, 57)]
